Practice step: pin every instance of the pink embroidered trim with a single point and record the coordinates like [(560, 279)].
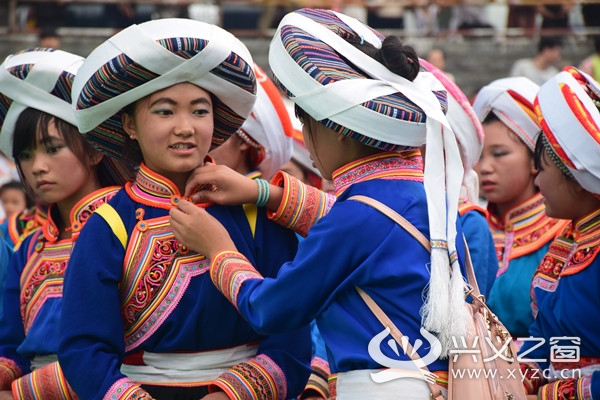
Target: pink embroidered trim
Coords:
[(229, 270), (259, 378), (42, 278), (406, 165), (124, 389), (165, 273), (301, 206)]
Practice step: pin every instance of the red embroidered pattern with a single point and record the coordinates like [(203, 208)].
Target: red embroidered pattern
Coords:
[(9, 371), (43, 274), (42, 279), (48, 380), (229, 270), (406, 165), (259, 378), (302, 205), (157, 270), (565, 389)]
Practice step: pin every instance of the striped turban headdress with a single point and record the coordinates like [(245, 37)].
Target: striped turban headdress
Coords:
[(152, 56), (466, 127), (511, 100), (316, 64), (568, 107), (270, 125), (42, 79)]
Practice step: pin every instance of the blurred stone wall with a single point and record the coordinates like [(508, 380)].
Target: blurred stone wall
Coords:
[(474, 61)]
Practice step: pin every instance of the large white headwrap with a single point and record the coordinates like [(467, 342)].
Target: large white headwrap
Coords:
[(571, 122), (145, 58), (341, 101), (33, 89), (269, 125), (511, 100)]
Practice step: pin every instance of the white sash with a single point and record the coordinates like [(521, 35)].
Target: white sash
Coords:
[(358, 385), (170, 368)]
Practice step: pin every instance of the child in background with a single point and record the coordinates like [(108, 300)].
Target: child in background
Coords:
[(521, 229), (567, 281), (365, 109), (141, 317), (65, 172), (14, 198)]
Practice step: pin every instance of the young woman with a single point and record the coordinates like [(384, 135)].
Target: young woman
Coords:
[(141, 315), (521, 229), (65, 172), (567, 281), (366, 109)]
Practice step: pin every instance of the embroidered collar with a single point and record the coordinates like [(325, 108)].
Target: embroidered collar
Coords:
[(520, 215), (406, 165), (153, 189), (525, 229), (80, 213), (585, 227)]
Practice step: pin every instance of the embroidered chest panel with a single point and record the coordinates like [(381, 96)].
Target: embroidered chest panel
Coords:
[(573, 251), (156, 272), (42, 278)]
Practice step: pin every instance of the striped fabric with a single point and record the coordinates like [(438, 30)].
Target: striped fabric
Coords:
[(154, 55), (47, 382), (568, 107), (42, 79), (43, 73), (326, 66)]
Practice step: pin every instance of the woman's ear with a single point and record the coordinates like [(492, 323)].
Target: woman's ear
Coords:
[(95, 160), (129, 126)]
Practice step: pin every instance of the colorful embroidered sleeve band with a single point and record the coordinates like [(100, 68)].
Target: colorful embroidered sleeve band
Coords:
[(48, 380), (259, 378), (229, 270), (301, 206)]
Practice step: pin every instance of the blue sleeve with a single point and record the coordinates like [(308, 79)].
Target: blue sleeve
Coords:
[(12, 331), (90, 302), (6, 253), (318, 345), (481, 247)]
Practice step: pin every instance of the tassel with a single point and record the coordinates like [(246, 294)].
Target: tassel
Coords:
[(436, 312)]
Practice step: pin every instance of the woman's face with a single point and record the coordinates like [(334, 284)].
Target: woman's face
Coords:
[(174, 128), (506, 168), (560, 194), (54, 172)]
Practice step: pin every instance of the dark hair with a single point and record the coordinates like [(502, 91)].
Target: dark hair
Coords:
[(31, 121), (541, 148), (399, 58), (18, 185), (549, 42), (48, 32)]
